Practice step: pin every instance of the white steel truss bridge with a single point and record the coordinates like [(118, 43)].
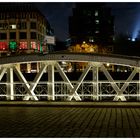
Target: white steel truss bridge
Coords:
[(81, 89)]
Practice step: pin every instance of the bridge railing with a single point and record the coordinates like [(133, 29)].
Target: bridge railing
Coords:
[(85, 90)]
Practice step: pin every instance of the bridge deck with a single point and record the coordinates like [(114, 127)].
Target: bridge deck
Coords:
[(83, 57)]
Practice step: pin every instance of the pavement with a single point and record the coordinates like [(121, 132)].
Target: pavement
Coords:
[(69, 104), (29, 119)]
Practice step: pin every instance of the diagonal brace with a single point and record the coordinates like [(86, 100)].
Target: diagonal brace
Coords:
[(126, 84), (2, 72), (65, 78), (36, 80), (26, 84), (79, 82), (114, 85)]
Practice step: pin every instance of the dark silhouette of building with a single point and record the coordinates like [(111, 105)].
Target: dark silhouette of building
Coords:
[(91, 22)]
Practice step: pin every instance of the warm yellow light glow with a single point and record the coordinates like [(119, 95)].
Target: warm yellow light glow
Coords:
[(107, 64)]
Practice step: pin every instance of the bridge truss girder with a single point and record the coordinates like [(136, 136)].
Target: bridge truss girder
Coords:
[(72, 89)]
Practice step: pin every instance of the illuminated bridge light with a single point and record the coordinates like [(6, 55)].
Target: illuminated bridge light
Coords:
[(91, 89)]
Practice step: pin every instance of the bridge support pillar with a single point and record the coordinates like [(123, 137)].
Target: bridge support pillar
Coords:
[(95, 83), (10, 84), (51, 92)]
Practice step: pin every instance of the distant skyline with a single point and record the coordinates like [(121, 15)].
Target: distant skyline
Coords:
[(127, 16)]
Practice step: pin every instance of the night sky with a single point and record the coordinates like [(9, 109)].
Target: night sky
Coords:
[(127, 17)]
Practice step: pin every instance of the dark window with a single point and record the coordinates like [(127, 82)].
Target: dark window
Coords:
[(33, 35), (23, 67), (13, 35), (22, 35), (22, 25), (33, 66), (33, 25), (3, 26), (3, 36)]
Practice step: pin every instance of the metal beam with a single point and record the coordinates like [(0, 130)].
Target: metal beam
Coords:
[(36, 80), (26, 84), (125, 85), (129, 80), (10, 84), (110, 79), (113, 84), (2, 72), (73, 93), (66, 79), (95, 82), (51, 92)]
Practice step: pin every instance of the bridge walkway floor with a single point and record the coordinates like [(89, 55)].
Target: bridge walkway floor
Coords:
[(69, 121)]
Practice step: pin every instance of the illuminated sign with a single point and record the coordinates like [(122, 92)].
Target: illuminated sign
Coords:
[(33, 45), (3, 46), (40, 47), (12, 45), (23, 45), (49, 40)]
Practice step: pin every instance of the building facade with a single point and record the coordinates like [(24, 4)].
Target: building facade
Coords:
[(91, 22), (91, 30), (22, 30)]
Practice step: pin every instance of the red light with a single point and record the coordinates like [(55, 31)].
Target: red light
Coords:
[(33, 45), (23, 45), (3, 46)]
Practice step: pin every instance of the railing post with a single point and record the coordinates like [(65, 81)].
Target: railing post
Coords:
[(10, 84), (51, 92)]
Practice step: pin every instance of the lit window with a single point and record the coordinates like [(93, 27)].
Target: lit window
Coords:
[(91, 40), (96, 13), (33, 45), (13, 45), (3, 46), (13, 26), (40, 47), (33, 67), (23, 45), (97, 21), (96, 32)]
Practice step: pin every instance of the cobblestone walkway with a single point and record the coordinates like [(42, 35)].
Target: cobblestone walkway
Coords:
[(69, 122)]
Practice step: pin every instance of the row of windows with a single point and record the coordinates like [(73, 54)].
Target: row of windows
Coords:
[(21, 25), (4, 46), (19, 15), (22, 35), (90, 13)]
